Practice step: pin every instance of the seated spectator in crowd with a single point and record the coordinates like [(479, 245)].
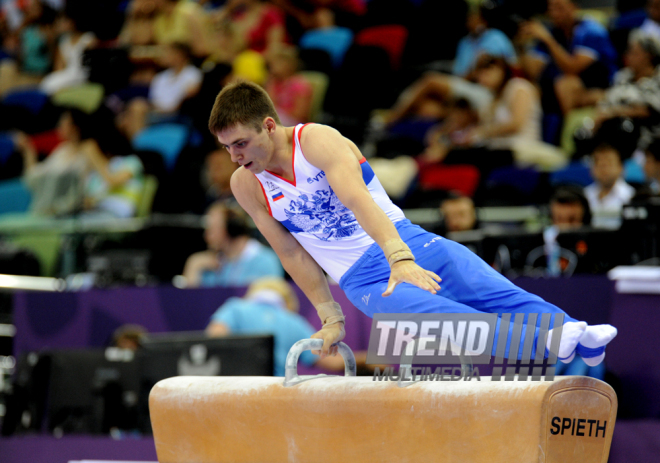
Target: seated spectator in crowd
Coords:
[(57, 183), (652, 23), (428, 96), (167, 91), (458, 214), (510, 131), (68, 69), (609, 192), (652, 166), (481, 40), (137, 30), (30, 48), (270, 306), (569, 208), (184, 22), (291, 93), (217, 175), (252, 24), (635, 92), (105, 199), (572, 52), (327, 36), (232, 257)]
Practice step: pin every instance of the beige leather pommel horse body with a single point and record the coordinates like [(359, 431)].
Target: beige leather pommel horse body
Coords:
[(356, 419)]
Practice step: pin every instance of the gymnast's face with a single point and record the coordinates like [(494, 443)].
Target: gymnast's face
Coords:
[(248, 147)]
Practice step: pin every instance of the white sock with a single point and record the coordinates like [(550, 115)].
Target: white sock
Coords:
[(597, 336), (571, 333)]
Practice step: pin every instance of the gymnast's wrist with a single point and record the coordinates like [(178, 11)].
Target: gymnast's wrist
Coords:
[(330, 313), (396, 250)]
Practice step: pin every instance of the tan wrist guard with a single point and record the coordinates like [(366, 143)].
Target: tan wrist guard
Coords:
[(396, 250), (329, 313)]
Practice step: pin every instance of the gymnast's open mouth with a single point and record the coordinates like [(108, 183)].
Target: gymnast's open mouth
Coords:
[(247, 166)]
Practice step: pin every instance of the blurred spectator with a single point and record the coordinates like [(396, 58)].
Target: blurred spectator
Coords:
[(168, 89), (652, 23), (573, 52), (179, 81), (290, 92), (481, 40), (31, 47), (327, 36), (58, 183), (128, 336), (511, 131), (138, 29), (232, 258), (105, 199), (186, 22), (270, 306), (652, 166), (636, 89), (68, 69), (609, 192), (458, 213), (569, 208), (217, 175), (252, 24)]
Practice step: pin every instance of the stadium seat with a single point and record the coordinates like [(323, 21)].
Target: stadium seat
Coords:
[(319, 82), (85, 97), (391, 38), (6, 147), (572, 122), (147, 197), (167, 139), (576, 173), (31, 99), (14, 196)]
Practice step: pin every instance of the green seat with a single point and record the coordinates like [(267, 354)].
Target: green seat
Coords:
[(572, 122), (45, 244), (319, 82), (86, 97), (147, 198)]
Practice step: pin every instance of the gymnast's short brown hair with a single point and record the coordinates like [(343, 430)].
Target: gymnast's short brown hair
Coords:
[(242, 103)]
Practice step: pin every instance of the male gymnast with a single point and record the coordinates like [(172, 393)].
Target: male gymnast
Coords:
[(316, 200)]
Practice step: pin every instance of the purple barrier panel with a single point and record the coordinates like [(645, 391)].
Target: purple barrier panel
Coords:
[(108, 309), (48, 320), (583, 297), (53, 450), (633, 355), (635, 441), (191, 309)]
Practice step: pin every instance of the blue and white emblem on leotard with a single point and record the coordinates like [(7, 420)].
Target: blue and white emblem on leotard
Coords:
[(322, 216)]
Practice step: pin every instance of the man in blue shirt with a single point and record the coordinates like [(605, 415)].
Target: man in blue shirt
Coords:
[(481, 40), (574, 54), (233, 258), (270, 306)]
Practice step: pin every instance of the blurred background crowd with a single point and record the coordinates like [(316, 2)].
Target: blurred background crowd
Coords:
[(529, 130)]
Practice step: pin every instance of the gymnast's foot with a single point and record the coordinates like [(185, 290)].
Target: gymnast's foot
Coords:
[(592, 343), (571, 333)]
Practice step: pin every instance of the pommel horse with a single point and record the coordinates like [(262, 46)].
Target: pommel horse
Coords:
[(334, 419)]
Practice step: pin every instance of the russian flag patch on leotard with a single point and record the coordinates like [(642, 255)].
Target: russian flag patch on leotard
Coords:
[(278, 196)]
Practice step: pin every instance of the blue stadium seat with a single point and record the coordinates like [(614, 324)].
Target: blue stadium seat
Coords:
[(32, 100), (166, 139), (6, 147), (14, 196), (576, 173)]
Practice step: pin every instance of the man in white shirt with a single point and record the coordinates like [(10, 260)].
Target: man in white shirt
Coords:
[(609, 192)]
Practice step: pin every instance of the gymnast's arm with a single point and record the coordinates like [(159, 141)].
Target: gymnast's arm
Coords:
[(304, 270), (327, 149)]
